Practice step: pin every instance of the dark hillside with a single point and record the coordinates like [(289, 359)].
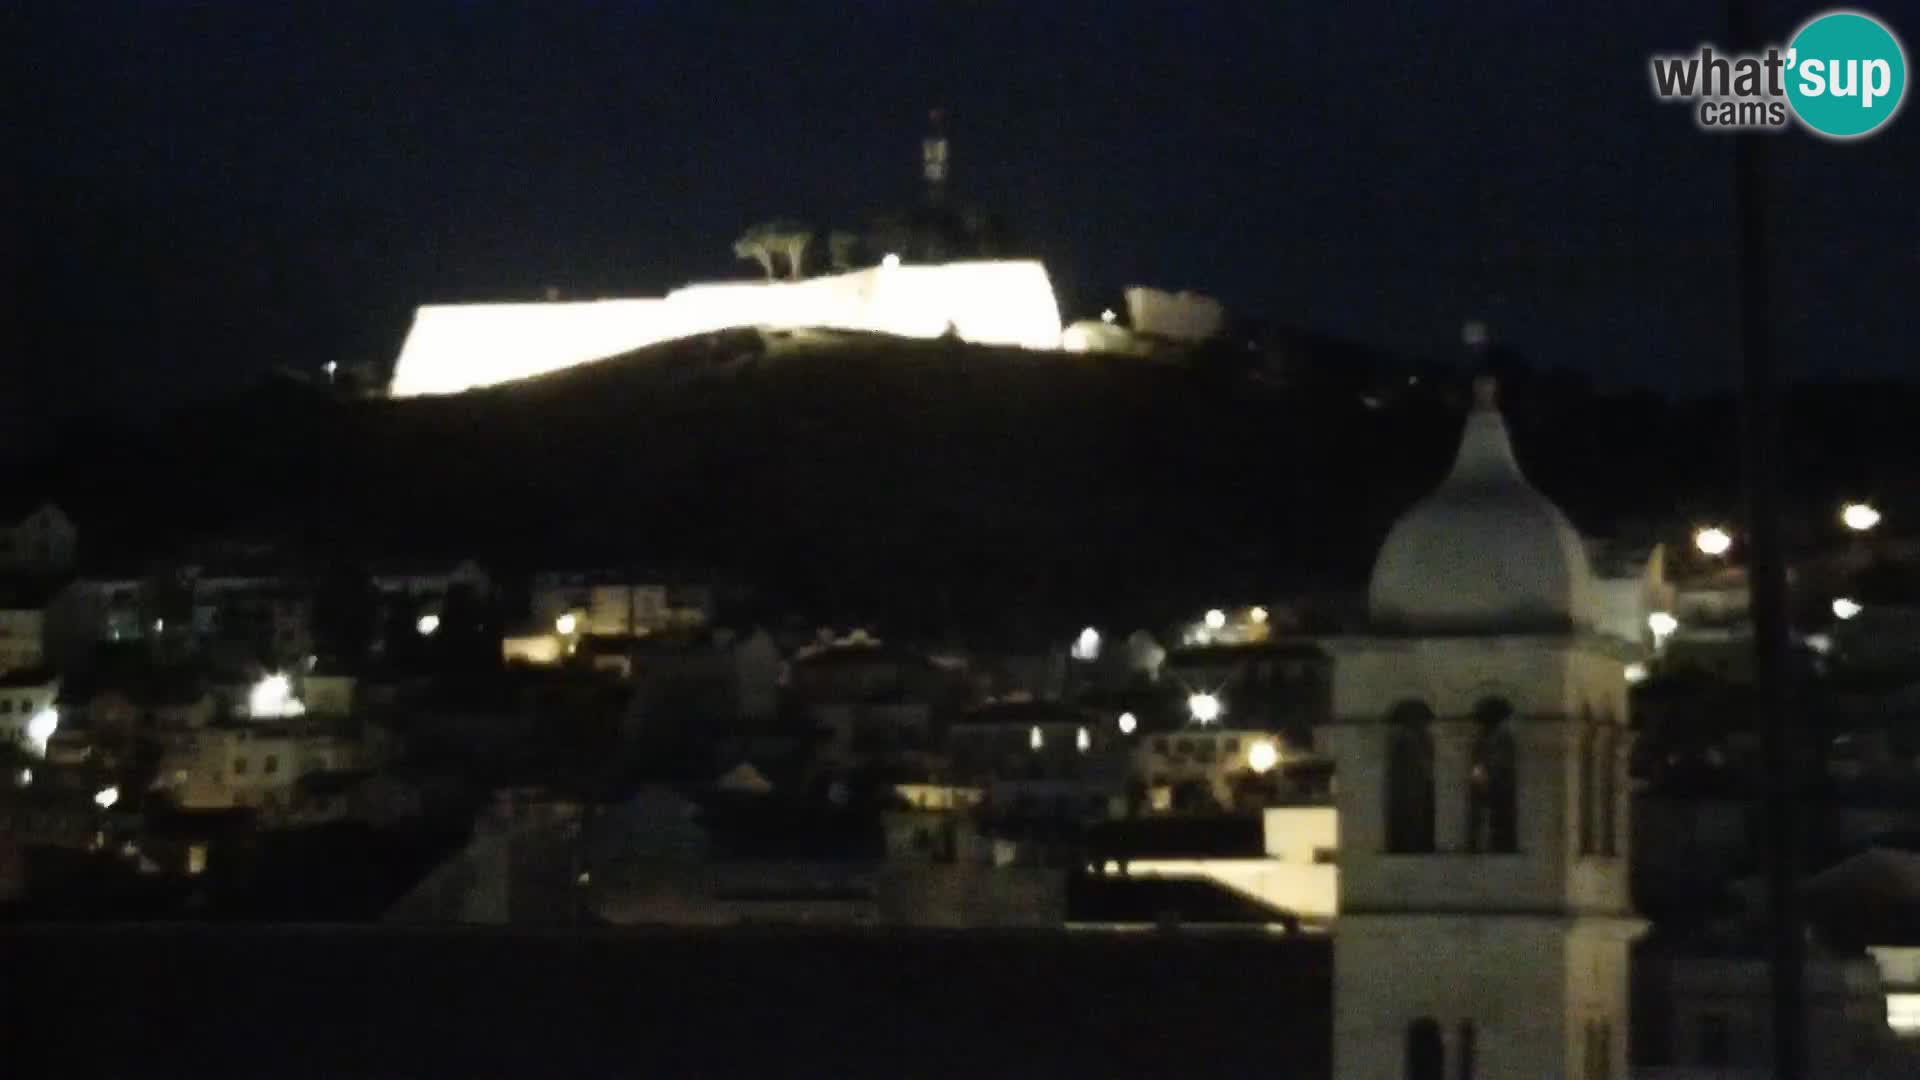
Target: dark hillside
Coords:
[(930, 482)]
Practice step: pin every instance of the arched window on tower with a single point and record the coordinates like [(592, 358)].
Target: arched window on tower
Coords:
[(1409, 793), (1426, 1056), (1493, 790), (1605, 769)]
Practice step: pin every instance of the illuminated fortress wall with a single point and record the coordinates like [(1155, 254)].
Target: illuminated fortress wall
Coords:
[(455, 347)]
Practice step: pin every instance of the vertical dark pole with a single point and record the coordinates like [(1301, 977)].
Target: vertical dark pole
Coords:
[(1767, 580)]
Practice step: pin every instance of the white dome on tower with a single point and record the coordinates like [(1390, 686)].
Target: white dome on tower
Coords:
[(1485, 553)]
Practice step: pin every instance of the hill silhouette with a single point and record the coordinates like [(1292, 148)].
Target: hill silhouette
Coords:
[(932, 484)]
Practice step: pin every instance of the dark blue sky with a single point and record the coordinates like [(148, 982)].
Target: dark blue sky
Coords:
[(199, 191)]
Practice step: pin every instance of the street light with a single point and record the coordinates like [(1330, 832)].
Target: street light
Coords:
[(1205, 708), (1258, 615), (1713, 541), (40, 728), (1216, 619), (272, 697), (1845, 607), (1263, 756), (428, 624), (890, 260), (1036, 738), (1108, 316), (1859, 516), (106, 797), (1128, 723), (1083, 740), (1662, 624), (566, 624), (1087, 645)]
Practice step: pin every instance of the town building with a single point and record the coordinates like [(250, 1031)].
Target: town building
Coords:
[(40, 541)]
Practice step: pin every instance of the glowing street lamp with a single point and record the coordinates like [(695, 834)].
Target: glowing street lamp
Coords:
[(1636, 672), (40, 728), (1713, 541), (1662, 623), (1263, 755), (1108, 316), (1859, 516), (566, 624), (1087, 645), (428, 624), (890, 260), (1204, 708), (272, 698), (1845, 607), (1083, 740), (1216, 619), (1128, 723), (1258, 615), (106, 797), (1036, 739)]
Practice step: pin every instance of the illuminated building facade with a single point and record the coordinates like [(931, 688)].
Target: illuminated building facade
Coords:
[(457, 347)]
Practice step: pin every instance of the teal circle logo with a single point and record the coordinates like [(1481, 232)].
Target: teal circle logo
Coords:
[(1846, 74)]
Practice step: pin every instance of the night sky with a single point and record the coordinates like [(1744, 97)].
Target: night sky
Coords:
[(197, 192)]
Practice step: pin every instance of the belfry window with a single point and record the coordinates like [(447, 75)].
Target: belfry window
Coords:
[(1493, 810), (1409, 794)]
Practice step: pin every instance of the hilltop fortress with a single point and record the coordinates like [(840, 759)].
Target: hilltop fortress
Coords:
[(455, 347), (936, 271)]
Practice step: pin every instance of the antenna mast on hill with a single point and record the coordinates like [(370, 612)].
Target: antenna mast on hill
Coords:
[(933, 156)]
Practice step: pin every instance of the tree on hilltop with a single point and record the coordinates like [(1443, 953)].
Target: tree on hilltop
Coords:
[(768, 240), (757, 244)]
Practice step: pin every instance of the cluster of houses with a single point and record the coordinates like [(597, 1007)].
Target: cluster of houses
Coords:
[(632, 747)]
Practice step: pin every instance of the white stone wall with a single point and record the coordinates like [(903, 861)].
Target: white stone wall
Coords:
[(456, 347)]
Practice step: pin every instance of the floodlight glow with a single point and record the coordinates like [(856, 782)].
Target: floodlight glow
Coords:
[(1216, 619), (428, 624), (1108, 316), (456, 347), (1205, 708), (40, 728), (1859, 516), (566, 624), (1087, 645), (1263, 755), (1036, 738), (24, 777), (1258, 615), (106, 797), (1713, 541), (1662, 624), (1128, 723), (890, 260), (1083, 740), (1636, 673), (1846, 607), (272, 698), (330, 367)]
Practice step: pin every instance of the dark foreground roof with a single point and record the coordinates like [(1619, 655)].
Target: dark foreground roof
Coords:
[(479, 1002)]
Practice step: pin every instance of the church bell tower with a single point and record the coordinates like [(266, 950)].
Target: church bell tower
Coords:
[(1480, 742)]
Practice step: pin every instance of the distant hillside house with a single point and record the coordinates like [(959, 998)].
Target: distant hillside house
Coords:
[(23, 627), (41, 541)]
